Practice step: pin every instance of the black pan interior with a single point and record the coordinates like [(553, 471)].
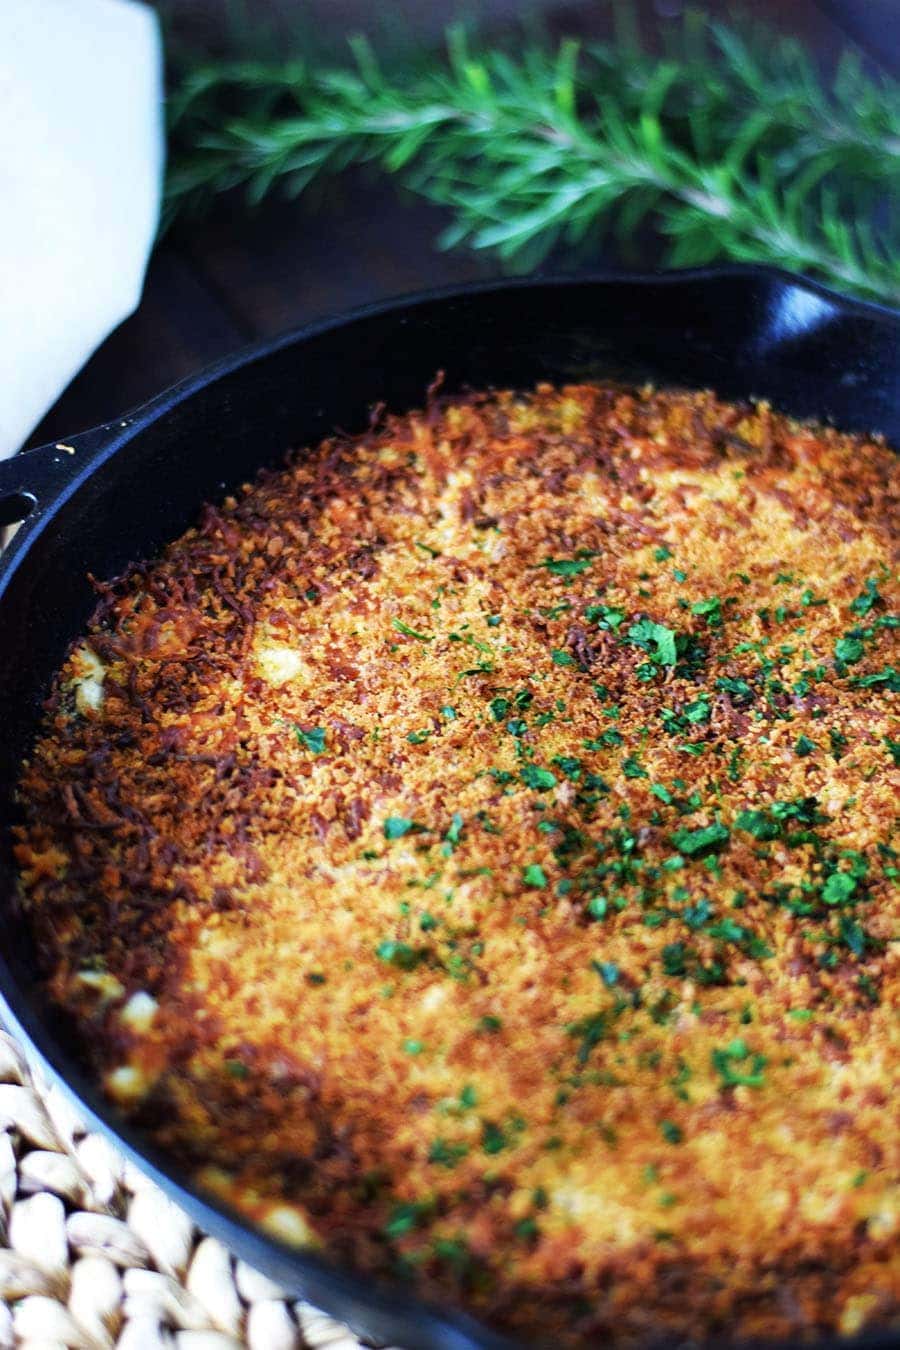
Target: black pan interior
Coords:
[(139, 482)]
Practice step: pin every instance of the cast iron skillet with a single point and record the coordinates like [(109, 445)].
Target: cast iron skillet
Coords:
[(119, 492)]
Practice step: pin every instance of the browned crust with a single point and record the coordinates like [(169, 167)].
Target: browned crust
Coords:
[(516, 1050)]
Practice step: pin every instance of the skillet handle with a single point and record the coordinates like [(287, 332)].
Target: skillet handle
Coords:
[(34, 479)]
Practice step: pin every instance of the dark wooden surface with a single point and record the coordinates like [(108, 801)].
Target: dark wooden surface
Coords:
[(214, 286)]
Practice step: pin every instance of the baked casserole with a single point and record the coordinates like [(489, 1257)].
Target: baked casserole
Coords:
[(471, 850)]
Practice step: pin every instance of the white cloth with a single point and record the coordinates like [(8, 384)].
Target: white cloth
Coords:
[(81, 161)]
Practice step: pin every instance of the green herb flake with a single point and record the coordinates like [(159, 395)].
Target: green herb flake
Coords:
[(739, 689), (404, 1218), (395, 827), (541, 780), (711, 610), (698, 711), (445, 1154), (534, 875), (838, 888), (590, 1031), (568, 567), (405, 629), (605, 616), (867, 599), (695, 843), (848, 650), (492, 1137), (312, 740), (737, 1066), (758, 824), (656, 639), (399, 954), (453, 835), (608, 971)]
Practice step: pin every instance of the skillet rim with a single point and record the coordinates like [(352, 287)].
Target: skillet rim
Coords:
[(389, 1311)]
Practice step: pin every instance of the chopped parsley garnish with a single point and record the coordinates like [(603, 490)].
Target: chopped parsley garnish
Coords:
[(758, 824), (395, 827), (405, 629), (605, 616), (740, 690), (445, 1154), (608, 972), (312, 740), (590, 1031), (534, 875), (492, 1137), (561, 658), (605, 739), (710, 610), (838, 888), (868, 598), (453, 835), (889, 677), (698, 711), (568, 567), (848, 650), (542, 780), (695, 843), (738, 1066), (400, 954), (404, 1218), (656, 639)]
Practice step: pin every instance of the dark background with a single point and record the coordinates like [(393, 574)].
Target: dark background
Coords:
[(215, 285)]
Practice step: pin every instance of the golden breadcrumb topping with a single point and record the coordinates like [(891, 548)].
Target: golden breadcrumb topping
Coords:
[(472, 851)]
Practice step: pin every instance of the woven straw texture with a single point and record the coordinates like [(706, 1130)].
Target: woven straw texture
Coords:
[(94, 1256)]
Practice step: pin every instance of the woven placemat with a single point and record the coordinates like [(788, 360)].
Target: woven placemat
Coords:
[(95, 1256)]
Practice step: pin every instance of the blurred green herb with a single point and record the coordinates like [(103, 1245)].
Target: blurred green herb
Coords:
[(729, 142)]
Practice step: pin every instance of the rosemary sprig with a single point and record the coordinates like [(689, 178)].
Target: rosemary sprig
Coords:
[(728, 143)]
